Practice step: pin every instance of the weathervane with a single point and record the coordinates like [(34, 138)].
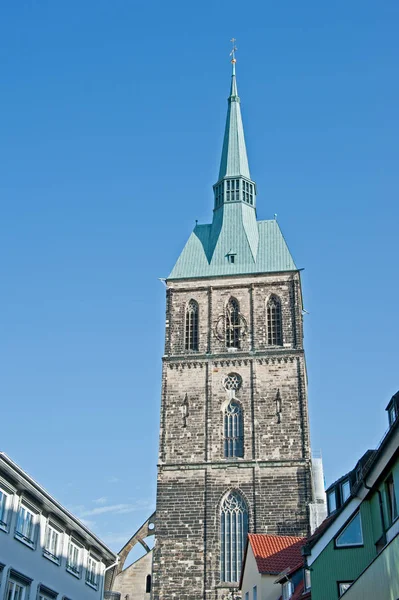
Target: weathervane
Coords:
[(233, 50)]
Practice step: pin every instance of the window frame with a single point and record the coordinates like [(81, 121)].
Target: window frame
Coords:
[(35, 513), (233, 430), (342, 592), (233, 502), (233, 325), (391, 501), (89, 580), (16, 578), (274, 321), (45, 593), (341, 490), (70, 567), (332, 494), (287, 585), (338, 546), (54, 557), (191, 326), (5, 517), (307, 579)]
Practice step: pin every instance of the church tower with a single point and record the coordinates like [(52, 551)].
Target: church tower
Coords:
[(234, 454)]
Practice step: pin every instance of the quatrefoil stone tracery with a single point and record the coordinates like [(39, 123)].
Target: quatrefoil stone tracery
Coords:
[(232, 382)]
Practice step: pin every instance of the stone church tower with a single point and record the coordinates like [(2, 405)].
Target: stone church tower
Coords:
[(234, 442)]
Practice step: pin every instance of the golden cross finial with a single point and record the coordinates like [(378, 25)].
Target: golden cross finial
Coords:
[(233, 50)]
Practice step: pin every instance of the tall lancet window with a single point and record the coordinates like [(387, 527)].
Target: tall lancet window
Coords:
[(191, 339), (274, 322), (233, 431), (233, 327), (233, 532)]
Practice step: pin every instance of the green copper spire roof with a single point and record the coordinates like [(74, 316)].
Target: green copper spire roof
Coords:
[(235, 243), (234, 154)]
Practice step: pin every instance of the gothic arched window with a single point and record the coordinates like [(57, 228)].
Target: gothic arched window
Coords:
[(274, 322), (233, 430), (148, 584), (191, 337), (233, 326), (233, 535)]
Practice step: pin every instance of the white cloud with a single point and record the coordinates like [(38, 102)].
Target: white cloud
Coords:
[(102, 500), (88, 523), (113, 480), (119, 509)]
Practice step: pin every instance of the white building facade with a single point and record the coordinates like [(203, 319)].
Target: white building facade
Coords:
[(45, 552)]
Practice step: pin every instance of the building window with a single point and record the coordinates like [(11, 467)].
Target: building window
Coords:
[(233, 327), (26, 525), (5, 499), (17, 589), (92, 572), (148, 584), (288, 590), (255, 593), (343, 586), (46, 594), (274, 324), (331, 501), (233, 431), (392, 414), (352, 534), (391, 499), (246, 595), (52, 543), (307, 579), (345, 490), (74, 558), (233, 533), (192, 326)]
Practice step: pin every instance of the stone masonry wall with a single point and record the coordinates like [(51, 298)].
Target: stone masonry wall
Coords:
[(193, 476)]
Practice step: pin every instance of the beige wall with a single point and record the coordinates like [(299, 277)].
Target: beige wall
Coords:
[(267, 589), (132, 580)]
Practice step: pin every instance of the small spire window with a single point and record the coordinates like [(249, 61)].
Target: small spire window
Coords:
[(191, 339), (233, 325), (274, 323)]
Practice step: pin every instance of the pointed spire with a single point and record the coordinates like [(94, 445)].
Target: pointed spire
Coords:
[(234, 160)]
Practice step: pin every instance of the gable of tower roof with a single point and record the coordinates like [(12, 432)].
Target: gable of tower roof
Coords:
[(198, 258)]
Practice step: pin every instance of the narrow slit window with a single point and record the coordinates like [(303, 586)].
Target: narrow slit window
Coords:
[(274, 322), (233, 326), (233, 431), (191, 341)]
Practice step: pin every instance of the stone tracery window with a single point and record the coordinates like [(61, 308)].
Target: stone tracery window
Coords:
[(233, 324), (233, 535), (233, 430), (191, 333), (274, 322), (232, 382)]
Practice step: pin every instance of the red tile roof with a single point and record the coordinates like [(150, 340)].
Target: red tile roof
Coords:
[(274, 553)]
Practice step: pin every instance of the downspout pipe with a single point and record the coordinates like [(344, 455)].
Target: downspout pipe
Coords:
[(105, 570)]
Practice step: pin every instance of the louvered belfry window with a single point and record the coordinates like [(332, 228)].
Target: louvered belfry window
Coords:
[(274, 322), (233, 327), (191, 338), (233, 431), (233, 534)]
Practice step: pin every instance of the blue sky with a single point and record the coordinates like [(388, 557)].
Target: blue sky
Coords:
[(111, 130)]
